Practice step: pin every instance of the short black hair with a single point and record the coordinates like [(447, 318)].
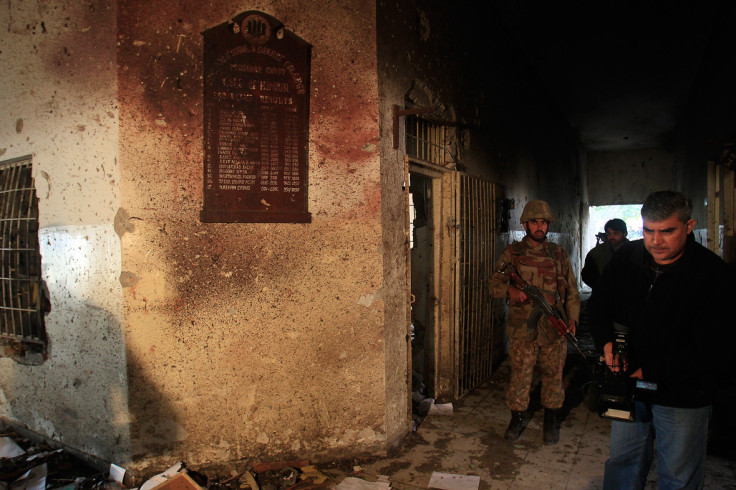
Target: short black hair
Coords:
[(660, 205), (616, 224)]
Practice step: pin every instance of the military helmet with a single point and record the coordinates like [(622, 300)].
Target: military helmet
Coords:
[(537, 210)]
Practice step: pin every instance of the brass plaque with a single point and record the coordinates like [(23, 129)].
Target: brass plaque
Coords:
[(256, 122)]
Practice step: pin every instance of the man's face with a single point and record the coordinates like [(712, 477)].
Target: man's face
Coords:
[(666, 239), (537, 229), (615, 238)]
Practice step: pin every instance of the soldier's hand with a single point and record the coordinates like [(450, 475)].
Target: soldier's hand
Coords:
[(517, 295)]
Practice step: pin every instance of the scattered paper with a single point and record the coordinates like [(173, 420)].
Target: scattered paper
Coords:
[(351, 483), (161, 477), (33, 479), (9, 449), (42, 454), (313, 474), (441, 409), (117, 473), (448, 481)]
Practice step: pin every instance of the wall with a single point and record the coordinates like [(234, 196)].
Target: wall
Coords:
[(58, 93), (256, 341), (627, 177), (472, 72), (171, 339)]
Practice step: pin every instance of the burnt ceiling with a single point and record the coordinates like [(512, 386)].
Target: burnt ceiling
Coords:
[(630, 74)]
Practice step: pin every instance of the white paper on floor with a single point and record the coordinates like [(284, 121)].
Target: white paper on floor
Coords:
[(441, 409), (33, 479), (9, 449), (448, 481), (351, 483), (117, 473), (162, 477)]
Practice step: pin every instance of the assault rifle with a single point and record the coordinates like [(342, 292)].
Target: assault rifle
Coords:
[(542, 305)]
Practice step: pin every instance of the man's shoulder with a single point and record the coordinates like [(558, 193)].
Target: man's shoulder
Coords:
[(599, 249), (556, 249), (706, 258), (516, 247), (631, 253), (632, 247)]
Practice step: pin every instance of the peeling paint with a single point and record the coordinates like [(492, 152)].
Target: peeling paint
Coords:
[(366, 300), (128, 279), (44, 425), (123, 223)]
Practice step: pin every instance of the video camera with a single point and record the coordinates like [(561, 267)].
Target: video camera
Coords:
[(615, 390)]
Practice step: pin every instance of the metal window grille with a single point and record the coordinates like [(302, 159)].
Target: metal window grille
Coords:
[(428, 141), (21, 288)]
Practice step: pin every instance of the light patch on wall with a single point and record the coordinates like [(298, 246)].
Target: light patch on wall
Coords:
[(367, 435), (43, 186), (366, 300), (5, 411), (172, 430), (43, 425)]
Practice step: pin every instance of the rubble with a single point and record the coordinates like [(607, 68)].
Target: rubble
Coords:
[(28, 465)]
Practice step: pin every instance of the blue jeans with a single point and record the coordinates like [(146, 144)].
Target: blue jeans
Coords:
[(681, 435)]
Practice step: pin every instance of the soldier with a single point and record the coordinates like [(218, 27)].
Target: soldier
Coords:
[(533, 339)]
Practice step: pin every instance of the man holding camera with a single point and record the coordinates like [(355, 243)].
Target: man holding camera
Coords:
[(599, 256), (671, 295)]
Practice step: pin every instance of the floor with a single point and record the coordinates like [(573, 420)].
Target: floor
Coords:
[(469, 441)]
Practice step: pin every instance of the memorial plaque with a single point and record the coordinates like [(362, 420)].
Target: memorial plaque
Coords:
[(256, 122)]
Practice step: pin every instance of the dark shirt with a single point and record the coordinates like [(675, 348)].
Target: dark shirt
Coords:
[(595, 262), (680, 335)]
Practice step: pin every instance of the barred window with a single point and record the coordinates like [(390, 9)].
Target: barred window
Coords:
[(23, 298), (429, 141)]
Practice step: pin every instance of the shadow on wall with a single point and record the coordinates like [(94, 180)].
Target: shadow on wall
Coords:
[(78, 398), (156, 431)]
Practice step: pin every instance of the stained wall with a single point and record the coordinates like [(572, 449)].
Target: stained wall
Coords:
[(59, 97), (171, 339), (254, 341)]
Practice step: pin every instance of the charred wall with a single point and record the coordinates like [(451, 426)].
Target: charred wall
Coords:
[(261, 340), (471, 69)]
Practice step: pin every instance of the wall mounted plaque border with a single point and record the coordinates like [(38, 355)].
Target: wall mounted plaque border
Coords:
[(256, 122)]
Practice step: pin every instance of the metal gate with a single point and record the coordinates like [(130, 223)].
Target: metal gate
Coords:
[(478, 342)]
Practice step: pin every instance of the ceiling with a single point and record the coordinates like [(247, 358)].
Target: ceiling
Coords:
[(633, 74)]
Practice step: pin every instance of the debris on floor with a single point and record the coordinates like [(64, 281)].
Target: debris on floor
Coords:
[(352, 483), (27, 465), (449, 481)]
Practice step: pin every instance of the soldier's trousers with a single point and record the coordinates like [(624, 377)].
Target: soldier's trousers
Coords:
[(524, 356)]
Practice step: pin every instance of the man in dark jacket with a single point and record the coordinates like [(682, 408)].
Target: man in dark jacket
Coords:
[(601, 254), (671, 294)]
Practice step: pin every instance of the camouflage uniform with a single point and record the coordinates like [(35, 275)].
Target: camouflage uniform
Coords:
[(547, 267)]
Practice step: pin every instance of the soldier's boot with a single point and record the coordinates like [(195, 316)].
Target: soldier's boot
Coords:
[(551, 426), (516, 425)]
